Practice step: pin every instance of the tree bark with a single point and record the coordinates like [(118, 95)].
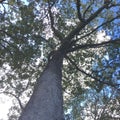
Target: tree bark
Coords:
[(46, 102)]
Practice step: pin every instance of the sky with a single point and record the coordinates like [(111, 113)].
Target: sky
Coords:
[(5, 103)]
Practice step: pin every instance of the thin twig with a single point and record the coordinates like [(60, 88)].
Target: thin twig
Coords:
[(19, 101), (87, 10)]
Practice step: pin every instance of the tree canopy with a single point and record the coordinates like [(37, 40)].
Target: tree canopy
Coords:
[(30, 32)]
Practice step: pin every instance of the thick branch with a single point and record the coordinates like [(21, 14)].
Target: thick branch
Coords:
[(93, 16), (75, 31), (56, 32), (78, 4), (88, 46)]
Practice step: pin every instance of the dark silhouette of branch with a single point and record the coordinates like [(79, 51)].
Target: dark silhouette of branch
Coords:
[(99, 11), (97, 45), (78, 4), (87, 9), (56, 32)]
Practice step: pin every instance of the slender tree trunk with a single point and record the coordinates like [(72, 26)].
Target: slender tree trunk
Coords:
[(46, 103)]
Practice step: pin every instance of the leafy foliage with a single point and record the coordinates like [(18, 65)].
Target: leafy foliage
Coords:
[(29, 30)]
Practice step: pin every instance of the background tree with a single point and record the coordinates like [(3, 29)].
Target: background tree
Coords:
[(31, 29)]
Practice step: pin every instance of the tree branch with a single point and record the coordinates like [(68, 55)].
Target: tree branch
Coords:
[(78, 4), (87, 10), (82, 25), (109, 21), (99, 11), (55, 31), (88, 46), (19, 101), (112, 5)]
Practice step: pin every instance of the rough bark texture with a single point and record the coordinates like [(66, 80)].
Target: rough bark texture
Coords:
[(46, 103)]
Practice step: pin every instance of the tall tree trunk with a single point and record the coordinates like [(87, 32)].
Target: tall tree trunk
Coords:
[(46, 103)]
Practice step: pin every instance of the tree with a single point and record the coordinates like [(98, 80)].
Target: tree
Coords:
[(73, 25)]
